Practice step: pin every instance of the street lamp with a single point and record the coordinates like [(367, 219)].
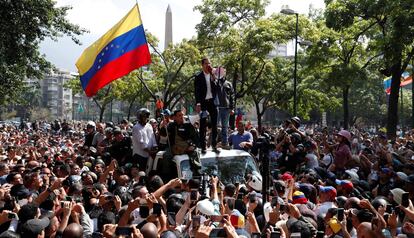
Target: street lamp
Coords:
[(288, 11)]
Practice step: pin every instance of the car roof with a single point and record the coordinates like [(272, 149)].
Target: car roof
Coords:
[(224, 153), (212, 154)]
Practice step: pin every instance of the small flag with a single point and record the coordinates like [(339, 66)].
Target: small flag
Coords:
[(406, 79), (122, 49)]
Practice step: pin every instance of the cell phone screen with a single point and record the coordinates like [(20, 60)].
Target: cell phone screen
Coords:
[(218, 233), (216, 218), (274, 201), (256, 235), (340, 213), (143, 211), (275, 235), (405, 199), (156, 209), (230, 203), (171, 219), (126, 231), (196, 221), (193, 195)]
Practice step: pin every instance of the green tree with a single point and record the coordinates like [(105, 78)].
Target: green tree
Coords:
[(171, 72), (264, 95), (343, 55), (23, 25), (130, 89), (102, 99), (387, 34)]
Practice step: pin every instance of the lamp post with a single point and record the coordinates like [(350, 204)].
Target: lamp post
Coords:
[(288, 11)]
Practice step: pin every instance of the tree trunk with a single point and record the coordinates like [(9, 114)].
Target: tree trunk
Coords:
[(392, 116), (101, 112), (345, 105), (259, 117), (130, 107)]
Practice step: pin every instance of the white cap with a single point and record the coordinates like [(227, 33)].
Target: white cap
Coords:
[(206, 207), (256, 181)]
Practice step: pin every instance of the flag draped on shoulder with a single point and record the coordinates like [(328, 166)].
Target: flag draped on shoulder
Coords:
[(122, 49)]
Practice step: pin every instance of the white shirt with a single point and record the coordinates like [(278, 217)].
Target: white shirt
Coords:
[(142, 138), (322, 209), (209, 94)]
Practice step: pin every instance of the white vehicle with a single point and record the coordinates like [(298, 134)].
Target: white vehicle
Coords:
[(230, 165)]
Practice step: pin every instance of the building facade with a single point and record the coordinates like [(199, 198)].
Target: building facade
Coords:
[(55, 96)]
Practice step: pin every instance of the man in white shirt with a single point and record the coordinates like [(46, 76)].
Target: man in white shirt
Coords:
[(205, 91), (143, 139)]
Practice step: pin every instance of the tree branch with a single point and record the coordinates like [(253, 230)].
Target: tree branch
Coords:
[(147, 88)]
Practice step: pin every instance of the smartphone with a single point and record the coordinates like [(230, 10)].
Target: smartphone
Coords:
[(274, 201), (11, 216), (230, 203), (216, 218), (397, 210), (171, 218), (143, 211), (256, 235), (196, 222), (109, 198), (405, 199), (218, 233), (68, 198), (389, 209), (275, 234), (123, 231), (340, 214), (240, 196), (320, 234), (239, 205), (252, 197), (193, 195), (386, 216), (156, 210), (282, 208)]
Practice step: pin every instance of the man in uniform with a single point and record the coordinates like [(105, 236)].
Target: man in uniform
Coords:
[(184, 139)]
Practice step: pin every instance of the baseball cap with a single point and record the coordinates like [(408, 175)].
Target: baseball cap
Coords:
[(402, 176), (346, 184), (352, 173), (299, 198), (397, 194), (286, 176), (410, 179), (328, 189), (34, 227), (237, 219)]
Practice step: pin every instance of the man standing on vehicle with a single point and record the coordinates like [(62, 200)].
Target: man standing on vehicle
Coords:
[(184, 140), (241, 139), (205, 85), (226, 102), (143, 139)]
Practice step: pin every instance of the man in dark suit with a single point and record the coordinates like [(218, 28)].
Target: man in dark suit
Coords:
[(205, 85)]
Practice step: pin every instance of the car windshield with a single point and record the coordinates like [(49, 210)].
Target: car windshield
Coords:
[(229, 169)]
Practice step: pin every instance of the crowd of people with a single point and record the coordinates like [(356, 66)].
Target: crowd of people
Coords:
[(88, 179), (91, 180)]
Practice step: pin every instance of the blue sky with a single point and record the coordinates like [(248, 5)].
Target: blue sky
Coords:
[(100, 15)]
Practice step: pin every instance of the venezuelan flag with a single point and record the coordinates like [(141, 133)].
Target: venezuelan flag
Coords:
[(387, 85), (122, 49)]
